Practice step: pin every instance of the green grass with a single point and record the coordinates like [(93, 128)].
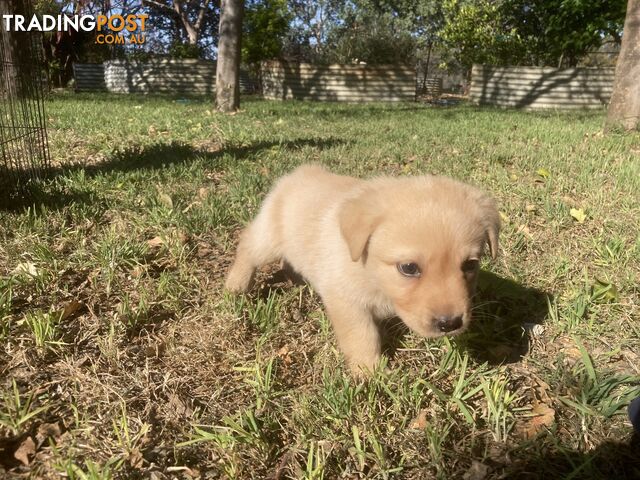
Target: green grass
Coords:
[(122, 357)]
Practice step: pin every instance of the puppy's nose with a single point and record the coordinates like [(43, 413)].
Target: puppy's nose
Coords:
[(446, 323)]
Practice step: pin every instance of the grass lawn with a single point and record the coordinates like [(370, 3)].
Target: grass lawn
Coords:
[(122, 357)]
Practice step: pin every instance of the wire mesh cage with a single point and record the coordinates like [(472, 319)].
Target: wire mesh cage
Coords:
[(24, 152)]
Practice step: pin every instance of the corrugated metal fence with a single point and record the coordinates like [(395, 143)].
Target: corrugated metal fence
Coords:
[(350, 83), (89, 77), (537, 87), (170, 76)]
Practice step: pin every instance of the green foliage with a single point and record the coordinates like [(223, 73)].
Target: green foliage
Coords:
[(559, 33), (265, 27), (367, 34), (475, 32), (539, 32), (184, 50)]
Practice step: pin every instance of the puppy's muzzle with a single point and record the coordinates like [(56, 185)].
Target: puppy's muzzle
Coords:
[(448, 323)]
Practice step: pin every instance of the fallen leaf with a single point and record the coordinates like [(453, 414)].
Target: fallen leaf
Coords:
[(46, 431), (135, 458), (578, 214), (543, 172), (70, 308), (155, 242), (544, 417), (542, 391), (26, 449), (26, 268), (137, 271), (183, 237), (203, 193), (420, 421), (477, 471)]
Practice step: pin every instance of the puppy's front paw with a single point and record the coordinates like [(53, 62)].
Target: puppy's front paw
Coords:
[(365, 369), (238, 279)]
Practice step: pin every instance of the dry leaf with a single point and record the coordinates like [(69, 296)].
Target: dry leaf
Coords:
[(71, 308), (26, 268), (137, 271), (420, 421), (203, 193), (155, 242), (477, 471), (46, 431), (26, 449), (183, 237), (135, 458), (578, 214), (544, 418)]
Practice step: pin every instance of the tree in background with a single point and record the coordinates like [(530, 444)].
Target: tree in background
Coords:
[(370, 33), (560, 33), (478, 32), (190, 14), (308, 32), (624, 107), (62, 49), (264, 30), (528, 32), (228, 65)]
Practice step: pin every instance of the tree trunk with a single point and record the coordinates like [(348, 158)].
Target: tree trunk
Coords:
[(14, 57), (228, 67), (624, 107)]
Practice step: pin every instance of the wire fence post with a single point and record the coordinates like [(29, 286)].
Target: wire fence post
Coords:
[(24, 151)]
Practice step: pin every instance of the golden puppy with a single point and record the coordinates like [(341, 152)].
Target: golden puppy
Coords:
[(373, 249)]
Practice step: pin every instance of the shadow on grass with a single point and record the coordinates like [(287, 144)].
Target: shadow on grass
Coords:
[(505, 315), (148, 157), (542, 458), (503, 311)]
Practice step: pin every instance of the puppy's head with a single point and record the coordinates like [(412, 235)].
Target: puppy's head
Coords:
[(420, 240)]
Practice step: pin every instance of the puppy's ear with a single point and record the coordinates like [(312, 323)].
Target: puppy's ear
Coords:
[(491, 223), (358, 218)]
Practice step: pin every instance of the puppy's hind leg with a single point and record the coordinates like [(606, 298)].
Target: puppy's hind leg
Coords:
[(257, 247)]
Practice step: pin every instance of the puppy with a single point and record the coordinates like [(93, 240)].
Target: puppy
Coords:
[(373, 249)]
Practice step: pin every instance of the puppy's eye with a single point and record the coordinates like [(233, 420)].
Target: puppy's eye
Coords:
[(409, 269), (470, 266)]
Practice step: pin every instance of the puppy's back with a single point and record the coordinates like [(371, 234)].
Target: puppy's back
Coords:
[(296, 213)]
